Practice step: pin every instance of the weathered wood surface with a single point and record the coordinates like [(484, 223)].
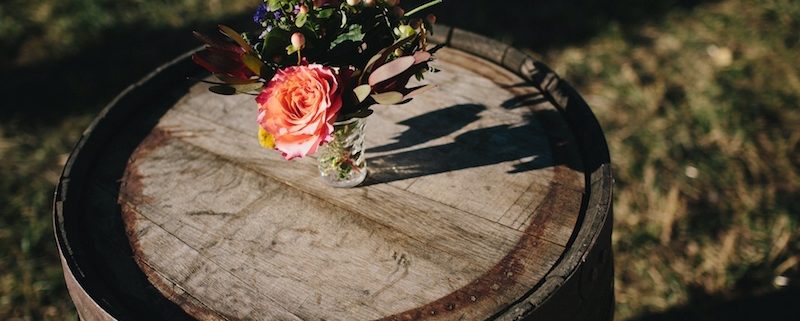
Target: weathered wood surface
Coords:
[(465, 195), (483, 202)]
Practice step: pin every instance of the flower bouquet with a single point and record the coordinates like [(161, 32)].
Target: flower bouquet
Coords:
[(316, 67)]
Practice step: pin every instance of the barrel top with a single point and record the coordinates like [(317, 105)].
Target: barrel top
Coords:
[(467, 206), (475, 206)]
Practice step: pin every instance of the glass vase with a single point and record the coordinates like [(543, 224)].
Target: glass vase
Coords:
[(341, 161)]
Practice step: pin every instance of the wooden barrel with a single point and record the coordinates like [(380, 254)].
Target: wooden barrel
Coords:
[(487, 198)]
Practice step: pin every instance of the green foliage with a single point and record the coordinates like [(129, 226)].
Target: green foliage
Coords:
[(273, 42), (33, 31), (334, 34), (31, 280), (354, 33)]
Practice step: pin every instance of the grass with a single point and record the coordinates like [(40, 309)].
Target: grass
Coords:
[(699, 101), (61, 61), (701, 112)]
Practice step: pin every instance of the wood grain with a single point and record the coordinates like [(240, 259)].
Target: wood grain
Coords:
[(467, 207)]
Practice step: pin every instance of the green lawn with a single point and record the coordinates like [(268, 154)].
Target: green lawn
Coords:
[(699, 101)]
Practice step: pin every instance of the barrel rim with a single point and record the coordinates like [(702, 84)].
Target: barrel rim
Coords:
[(77, 282), (596, 204)]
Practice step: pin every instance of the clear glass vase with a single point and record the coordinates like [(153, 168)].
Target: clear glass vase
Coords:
[(341, 161)]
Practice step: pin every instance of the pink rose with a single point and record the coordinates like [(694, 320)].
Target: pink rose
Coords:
[(298, 108)]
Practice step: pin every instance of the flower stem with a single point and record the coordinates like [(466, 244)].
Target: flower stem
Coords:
[(423, 7)]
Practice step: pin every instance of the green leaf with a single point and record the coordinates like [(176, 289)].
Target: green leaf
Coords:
[(253, 63), (223, 90), (362, 113), (274, 42), (236, 37), (344, 19), (388, 98), (362, 92), (245, 88), (383, 55), (290, 49), (380, 58), (301, 20), (390, 70), (354, 33), (325, 13), (236, 89)]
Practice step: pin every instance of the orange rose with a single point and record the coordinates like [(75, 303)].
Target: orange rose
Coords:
[(298, 108)]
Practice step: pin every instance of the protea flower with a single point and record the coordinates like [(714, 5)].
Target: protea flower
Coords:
[(234, 62)]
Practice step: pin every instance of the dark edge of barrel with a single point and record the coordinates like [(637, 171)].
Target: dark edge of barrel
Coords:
[(594, 226), (86, 293)]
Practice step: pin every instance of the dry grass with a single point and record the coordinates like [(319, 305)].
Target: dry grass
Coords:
[(701, 113)]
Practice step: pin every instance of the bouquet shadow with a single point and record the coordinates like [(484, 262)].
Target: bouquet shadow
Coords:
[(528, 146)]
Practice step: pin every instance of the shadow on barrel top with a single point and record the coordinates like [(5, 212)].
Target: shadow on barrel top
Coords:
[(532, 147)]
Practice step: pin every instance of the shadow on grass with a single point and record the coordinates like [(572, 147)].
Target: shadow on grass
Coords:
[(47, 92), (546, 24), (781, 305)]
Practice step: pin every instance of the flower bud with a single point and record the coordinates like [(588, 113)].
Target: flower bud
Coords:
[(399, 12), (303, 9), (392, 3), (353, 3), (370, 3), (298, 40)]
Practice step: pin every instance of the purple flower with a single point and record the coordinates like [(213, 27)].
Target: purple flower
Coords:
[(296, 9), (278, 14), (261, 14)]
